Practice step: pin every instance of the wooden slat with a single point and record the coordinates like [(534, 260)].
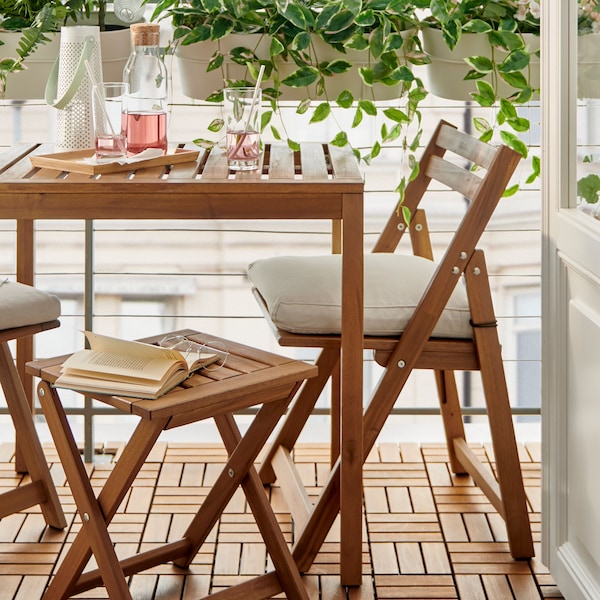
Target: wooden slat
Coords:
[(466, 145)]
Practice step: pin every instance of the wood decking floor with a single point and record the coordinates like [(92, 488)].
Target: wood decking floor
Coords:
[(427, 534)]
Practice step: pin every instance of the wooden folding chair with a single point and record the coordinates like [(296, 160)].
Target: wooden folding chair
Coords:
[(442, 327), (25, 311)]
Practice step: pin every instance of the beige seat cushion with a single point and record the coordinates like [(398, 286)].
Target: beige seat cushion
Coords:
[(303, 294), (22, 305)]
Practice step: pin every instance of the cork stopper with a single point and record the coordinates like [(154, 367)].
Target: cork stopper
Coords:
[(144, 34)]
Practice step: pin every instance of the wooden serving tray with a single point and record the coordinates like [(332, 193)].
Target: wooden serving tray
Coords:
[(71, 161)]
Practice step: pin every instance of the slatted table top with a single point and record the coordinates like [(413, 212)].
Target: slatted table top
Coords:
[(286, 184)]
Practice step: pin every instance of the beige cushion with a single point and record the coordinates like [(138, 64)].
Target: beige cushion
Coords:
[(302, 294), (22, 305)]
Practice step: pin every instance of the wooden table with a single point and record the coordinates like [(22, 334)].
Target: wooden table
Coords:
[(250, 377), (318, 182)]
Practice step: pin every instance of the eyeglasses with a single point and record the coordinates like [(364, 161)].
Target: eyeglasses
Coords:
[(189, 347)]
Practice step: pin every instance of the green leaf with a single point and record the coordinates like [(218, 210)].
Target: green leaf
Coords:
[(220, 28), (293, 13), (508, 109), (216, 125), (321, 112), (486, 136), (340, 140), (340, 22), (366, 75), (265, 119), (376, 43), (486, 96), (524, 96), (303, 106), (301, 77), (215, 62), (511, 191), (375, 150), (365, 18), (516, 79), (215, 96), (345, 99), (368, 106), (397, 115), (295, 146), (588, 188), (204, 143), (481, 125), (275, 133), (520, 124), (512, 141), (276, 47), (358, 117), (339, 66), (477, 26), (515, 61), (330, 9), (535, 169), (301, 41), (481, 64)]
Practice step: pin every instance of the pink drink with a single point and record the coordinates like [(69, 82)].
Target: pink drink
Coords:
[(146, 130), (243, 149), (109, 146)]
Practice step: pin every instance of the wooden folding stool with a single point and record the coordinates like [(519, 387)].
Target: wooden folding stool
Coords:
[(250, 377)]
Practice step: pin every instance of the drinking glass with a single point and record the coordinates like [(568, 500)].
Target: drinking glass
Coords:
[(242, 120), (109, 104)]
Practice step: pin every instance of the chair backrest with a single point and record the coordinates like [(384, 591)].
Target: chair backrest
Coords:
[(482, 187)]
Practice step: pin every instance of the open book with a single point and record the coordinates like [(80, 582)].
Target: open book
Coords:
[(125, 368)]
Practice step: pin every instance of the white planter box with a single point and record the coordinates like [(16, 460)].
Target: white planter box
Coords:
[(447, 69), (588, 64), (197, 83), (30, 83)]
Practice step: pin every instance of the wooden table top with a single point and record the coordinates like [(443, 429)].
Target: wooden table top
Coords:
[(304, 184)]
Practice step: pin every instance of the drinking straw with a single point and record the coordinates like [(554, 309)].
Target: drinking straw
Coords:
[(103, 108), (249, 119)]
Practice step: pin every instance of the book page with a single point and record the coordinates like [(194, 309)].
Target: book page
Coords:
[(104, 343), (96, 363)]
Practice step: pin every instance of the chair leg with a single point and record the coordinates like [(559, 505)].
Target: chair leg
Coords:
[(41, 491), (451, 415), (300, 411), (508, 468)]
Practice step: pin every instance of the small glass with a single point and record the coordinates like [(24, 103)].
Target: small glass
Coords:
[(200, 350), (109, 104), (242, 121)]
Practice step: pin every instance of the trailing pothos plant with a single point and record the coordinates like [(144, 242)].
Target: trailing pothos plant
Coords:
[(385, 29), (35, 19), (503, 22)]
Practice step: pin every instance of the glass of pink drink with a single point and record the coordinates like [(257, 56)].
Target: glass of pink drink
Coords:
[(242, 120), (109, 115)]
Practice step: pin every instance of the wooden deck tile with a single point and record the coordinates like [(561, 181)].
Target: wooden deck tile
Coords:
[(428, 534)]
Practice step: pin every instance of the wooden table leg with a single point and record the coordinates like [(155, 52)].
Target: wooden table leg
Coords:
[(95, 514), (25, 274), (351, 452)]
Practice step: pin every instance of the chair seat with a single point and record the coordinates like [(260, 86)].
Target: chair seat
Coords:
[(22, 305), (303, 294)]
